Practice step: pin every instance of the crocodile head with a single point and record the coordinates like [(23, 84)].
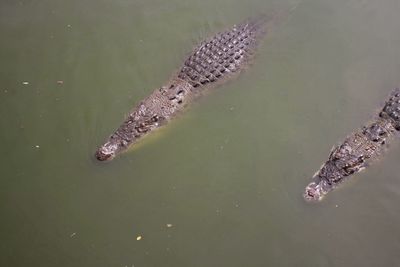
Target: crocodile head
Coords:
[(107, 151), (316, 190)]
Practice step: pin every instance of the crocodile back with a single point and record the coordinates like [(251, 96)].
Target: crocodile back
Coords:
[(223, 54)]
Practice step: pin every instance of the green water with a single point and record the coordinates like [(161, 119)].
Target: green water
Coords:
[(222, 185)]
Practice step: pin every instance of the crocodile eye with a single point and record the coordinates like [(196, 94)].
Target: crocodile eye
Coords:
[(154, 118)]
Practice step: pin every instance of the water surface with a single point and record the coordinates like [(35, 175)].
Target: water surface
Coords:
[(222, 185)]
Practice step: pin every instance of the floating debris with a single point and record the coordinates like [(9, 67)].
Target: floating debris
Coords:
[(25, 83), (73, 234), (37, 146), (139, 237), (60, 82), (169, 225)]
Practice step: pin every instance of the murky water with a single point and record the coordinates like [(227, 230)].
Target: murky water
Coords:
[(222, 185)]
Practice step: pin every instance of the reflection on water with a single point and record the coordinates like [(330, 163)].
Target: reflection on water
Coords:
[(222, 185)]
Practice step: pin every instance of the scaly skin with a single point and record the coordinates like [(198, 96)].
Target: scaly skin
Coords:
[(213, 61), (357, 151)]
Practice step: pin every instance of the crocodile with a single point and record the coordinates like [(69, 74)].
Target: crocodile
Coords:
[(358, 150), (213, 61)]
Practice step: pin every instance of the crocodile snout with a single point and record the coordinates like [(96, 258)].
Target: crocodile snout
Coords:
[(106, 151)]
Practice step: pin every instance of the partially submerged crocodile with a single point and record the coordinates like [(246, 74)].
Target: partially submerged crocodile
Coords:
[(358, 150), (213, 61)]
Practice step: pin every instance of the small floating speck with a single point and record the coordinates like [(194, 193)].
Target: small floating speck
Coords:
[(169, 225), (5, 91), (37, 146), (139, 237), (73, 234), (60, 82), (69, 25), (25, 83)]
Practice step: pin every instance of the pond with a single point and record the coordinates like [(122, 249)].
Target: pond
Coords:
[(221, 185)]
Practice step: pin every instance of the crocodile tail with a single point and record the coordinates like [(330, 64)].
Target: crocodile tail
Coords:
[(255, 24), (262, 24)]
